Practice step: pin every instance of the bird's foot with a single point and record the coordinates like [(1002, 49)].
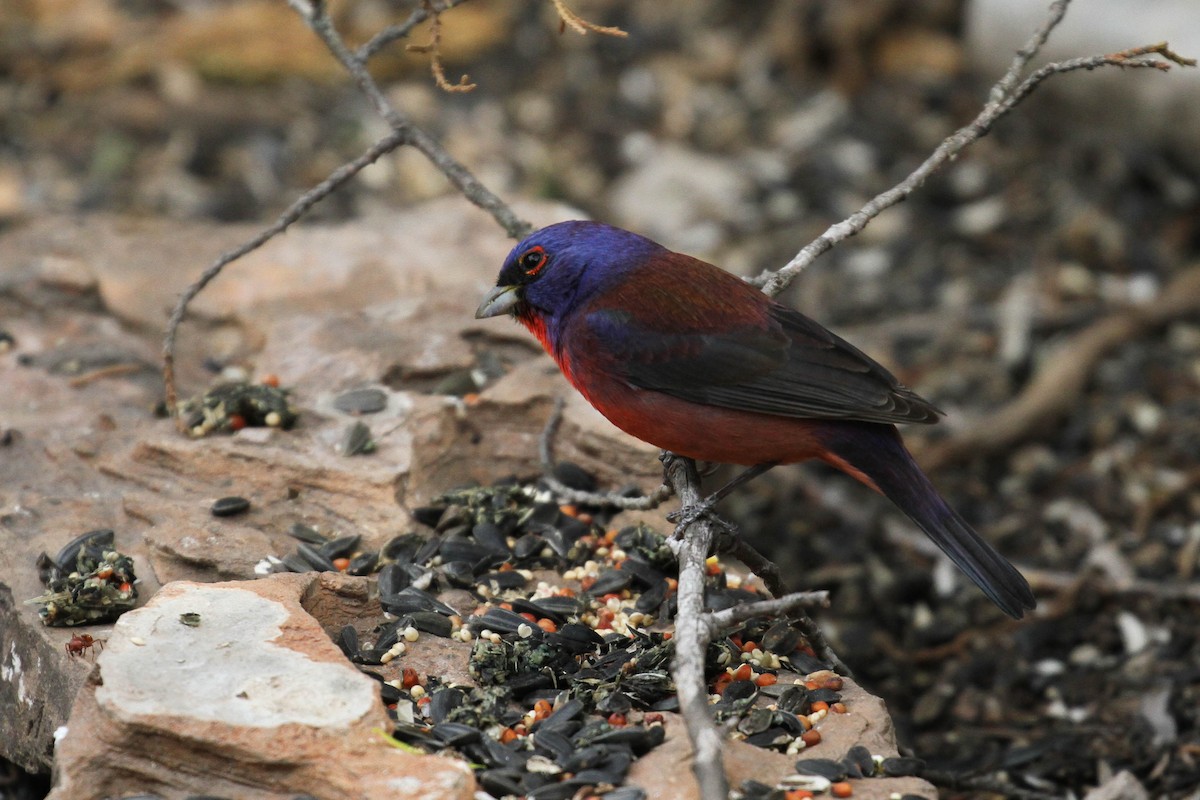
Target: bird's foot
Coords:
[(689, 515)]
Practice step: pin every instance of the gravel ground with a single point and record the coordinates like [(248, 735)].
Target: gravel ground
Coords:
[(738, 134)]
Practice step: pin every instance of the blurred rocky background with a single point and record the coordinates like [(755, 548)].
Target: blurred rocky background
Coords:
[(1042, 290)]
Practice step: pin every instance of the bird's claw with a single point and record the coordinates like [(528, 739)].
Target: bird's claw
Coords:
[(689, 515)]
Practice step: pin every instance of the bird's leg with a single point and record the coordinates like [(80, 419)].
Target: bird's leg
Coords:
[(686, 516)]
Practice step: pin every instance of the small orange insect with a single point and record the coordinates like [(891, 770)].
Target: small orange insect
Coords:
[(81, 643)]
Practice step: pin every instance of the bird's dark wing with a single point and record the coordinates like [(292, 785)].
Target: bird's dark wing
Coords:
[(755, 356)]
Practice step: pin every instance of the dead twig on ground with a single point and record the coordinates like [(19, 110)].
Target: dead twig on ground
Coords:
[(569, 495), (1061, 378)]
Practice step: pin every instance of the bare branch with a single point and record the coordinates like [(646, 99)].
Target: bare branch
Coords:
[(403, 132), (581, 25), (393, 33), (294, 212), (434, 49), (317, 19), (693, 634), (719, 621), (1005, 95), (564, 492)]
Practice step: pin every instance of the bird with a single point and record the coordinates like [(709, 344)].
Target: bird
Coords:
[(692, 359)]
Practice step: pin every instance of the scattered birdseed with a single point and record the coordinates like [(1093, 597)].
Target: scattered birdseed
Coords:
[(88, 582), (229, 407), (570, 678)]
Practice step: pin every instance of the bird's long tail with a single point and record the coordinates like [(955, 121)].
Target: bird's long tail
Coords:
[(874, 454)]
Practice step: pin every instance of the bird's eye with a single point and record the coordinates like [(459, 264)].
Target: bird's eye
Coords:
[(533, 260)]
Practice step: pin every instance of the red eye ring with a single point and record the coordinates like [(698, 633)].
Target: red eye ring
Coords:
[(532, 260)]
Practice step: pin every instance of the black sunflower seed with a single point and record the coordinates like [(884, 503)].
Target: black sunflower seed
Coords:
[(390, 633), (649, 601), (796, 700), (443, 701), (614, 703), (770, 738), (459, 574), (432, 622), (521, 685), (315, 558), (757, 721), (69, 554), (611, 770), (860, 757), (522, 606), (640, 739), (229, 506), (789, 722), (805, 664), (781, 638), (363, 564), (369, 657), (295, 563), (428, 549), (825, 767), (644, 573), (455, 734), (528, 546), (577, 638), (471, 552), (452, 516), (552, 743), (609, 581), (824, 696), (489, 535), (574, 476), (562, 717), (626, 793), (347, 640), (500, 620), (388, 693), (556, 791), (361, 401), (412, 599), (306, 533), (501, 782), (403, 548), (341, 547), (502, 581), (739, 691), (560, 604), (392, 580)]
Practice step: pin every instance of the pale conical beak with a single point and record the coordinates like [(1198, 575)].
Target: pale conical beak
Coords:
[(500, 300)]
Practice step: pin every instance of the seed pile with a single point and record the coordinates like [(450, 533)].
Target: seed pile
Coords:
[(229, 407), (88, 582), (570, 654)]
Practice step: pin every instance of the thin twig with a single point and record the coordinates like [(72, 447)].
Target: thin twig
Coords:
[(1002, 98), (466, 183), (757, 563), (820, 644), (294, 212), (434, 48), (394, 33), (566, 493), (719, 621), (581, 25)]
